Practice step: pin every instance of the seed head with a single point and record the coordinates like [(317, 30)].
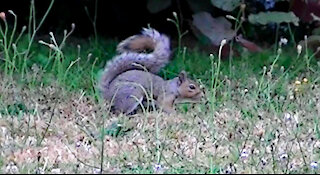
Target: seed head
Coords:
[(3, 16), (279, 51), (11, 12), (223, 42), (41, 42), (299, 49), (52, 46), (264, 68), (282, 69), (243, 6), (305, 80), (175, 14), (14, 46), (231, 17), (73, 26)]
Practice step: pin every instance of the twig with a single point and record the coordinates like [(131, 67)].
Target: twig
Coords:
[(85, 130), (92, 166), (303, 158), (48, 124)]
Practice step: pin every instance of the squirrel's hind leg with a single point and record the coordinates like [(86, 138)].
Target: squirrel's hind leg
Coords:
[(127, 99)]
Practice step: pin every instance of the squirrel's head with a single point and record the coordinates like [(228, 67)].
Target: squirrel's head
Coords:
[(188, 89)]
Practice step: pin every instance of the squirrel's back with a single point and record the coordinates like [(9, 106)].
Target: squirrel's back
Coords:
[(131, 56)]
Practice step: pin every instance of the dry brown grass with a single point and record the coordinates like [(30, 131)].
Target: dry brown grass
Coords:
[(228, 141)]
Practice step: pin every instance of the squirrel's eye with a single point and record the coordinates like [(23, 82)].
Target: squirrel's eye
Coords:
[(192, 86)]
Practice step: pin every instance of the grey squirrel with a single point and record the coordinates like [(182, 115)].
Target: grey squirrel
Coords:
[(132, 73)]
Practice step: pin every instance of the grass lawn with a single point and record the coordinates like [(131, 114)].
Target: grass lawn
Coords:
[(260, 114)]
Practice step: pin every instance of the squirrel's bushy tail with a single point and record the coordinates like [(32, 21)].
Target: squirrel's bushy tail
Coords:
[(130, 51)]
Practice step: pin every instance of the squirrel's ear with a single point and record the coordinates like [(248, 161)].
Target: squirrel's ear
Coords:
[(182, 77)]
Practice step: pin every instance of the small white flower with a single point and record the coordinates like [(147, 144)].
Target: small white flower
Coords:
[(263, 162), (78, 144), (244, 154), (228, 171), (283, 156), (87, 147), (283, 41), (157, 167), (96, 171), (317, 144), (314, 165), (245, 90), (287, 116), (12, 168), (56, 171)]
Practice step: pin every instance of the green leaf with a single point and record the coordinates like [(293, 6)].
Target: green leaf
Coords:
[(226, 5), (273, 17), (155, 6)]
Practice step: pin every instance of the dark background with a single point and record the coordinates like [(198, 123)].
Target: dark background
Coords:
[(122, 18), (118, 18)]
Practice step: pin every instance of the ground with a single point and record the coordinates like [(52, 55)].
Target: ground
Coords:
[(260, 115)]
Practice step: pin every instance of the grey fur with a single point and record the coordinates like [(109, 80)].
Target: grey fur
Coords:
[(125, 82)]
